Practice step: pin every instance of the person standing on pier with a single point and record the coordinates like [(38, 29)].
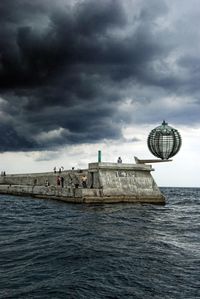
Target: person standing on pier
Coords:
[(119, 160), (62, 181)]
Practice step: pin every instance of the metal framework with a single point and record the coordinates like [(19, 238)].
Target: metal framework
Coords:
[(164, 141)]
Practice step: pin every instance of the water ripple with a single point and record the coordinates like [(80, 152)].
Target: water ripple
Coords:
[(50, 249)]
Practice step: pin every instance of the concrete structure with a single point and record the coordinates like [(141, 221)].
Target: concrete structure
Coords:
[(106, 183)]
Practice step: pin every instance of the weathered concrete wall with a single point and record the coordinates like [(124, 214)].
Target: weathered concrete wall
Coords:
[(124, 179), (39, 179), (106, 183), (77, 195)]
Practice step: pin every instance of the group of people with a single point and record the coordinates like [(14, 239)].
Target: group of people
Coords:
[(59, 170), (60, 181), (77, 181)]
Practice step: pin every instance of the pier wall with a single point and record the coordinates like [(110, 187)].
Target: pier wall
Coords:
[(106, 183), (40, 179)]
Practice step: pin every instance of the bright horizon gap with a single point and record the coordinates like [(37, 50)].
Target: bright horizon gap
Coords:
[(179, 173)]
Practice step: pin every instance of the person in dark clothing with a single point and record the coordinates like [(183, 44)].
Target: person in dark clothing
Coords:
[(62, 181), (119, 160)]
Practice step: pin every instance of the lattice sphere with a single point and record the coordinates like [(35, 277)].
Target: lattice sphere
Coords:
[(164, 141)]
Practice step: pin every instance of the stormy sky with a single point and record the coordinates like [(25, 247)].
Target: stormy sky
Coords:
[(88, 72)]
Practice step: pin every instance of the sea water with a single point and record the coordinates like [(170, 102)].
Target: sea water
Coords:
[(50, 249)]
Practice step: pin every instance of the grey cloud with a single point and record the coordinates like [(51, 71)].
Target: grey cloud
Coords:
[(70, 67)]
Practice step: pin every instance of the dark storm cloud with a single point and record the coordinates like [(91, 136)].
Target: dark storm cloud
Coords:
[(67, 66)]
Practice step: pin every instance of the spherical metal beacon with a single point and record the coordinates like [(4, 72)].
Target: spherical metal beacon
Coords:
[(164, 141)]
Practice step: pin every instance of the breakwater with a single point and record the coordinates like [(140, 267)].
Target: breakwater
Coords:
[(99, 183)]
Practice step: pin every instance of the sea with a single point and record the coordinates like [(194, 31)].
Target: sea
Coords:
[(51, 249)]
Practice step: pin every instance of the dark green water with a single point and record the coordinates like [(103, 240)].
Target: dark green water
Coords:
[(50, 249)]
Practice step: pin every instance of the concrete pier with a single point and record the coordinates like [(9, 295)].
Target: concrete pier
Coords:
[(105, 183)]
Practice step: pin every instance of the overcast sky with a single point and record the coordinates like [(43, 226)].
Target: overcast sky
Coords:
[(77, 76)]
